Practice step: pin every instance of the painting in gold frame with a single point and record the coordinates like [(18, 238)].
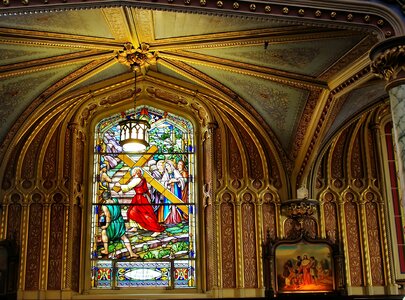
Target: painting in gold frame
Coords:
[(304, 268)]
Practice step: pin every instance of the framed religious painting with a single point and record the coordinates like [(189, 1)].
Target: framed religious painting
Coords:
[(304, 267)]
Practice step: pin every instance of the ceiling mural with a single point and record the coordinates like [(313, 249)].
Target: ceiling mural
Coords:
[(357, 100), (111, 72), (76, 22), (173, 74), (302, 57), (11, 54), (196, 24), (282, 65), (15, 91), (279, 105)]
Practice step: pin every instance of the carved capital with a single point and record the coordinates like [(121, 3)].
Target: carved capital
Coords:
[(388, 61)]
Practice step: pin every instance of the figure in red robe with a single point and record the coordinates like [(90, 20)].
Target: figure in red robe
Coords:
[(141, 210)]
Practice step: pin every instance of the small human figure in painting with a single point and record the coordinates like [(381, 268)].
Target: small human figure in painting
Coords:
[(157, 173), (174, 182), (113, 225), (141, 210), (104, 179)]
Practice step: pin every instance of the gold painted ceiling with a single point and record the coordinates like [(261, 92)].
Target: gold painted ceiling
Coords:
[(289, 67)]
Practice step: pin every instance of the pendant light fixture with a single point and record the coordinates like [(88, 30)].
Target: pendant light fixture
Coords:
[(134, 130)]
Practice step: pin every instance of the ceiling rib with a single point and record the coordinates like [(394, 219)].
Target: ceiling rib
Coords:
[(53, 62), (300, 81), (248, 38), (17, 36)]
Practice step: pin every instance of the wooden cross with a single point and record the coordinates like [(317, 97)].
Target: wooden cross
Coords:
[(149, 178)]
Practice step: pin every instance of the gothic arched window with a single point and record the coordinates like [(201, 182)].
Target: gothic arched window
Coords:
[(143, 219)]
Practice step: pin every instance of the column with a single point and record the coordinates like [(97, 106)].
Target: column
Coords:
[(388, 62)]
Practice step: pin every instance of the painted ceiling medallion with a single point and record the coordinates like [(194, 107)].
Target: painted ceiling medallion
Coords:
[(137, 59)]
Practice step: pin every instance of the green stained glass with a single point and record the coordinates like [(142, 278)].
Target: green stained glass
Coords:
[(143, 208)]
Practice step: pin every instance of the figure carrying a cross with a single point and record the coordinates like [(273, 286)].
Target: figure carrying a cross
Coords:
[(141, 210)]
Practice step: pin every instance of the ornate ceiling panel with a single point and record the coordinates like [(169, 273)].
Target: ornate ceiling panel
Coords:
[(11, 54), (195, 24), (79, 22), (113, 71), (173, 74), (16, 90), (279, 105), (302, 57), (357, 100)]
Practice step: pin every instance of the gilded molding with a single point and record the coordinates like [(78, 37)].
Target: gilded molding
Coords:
[(342, 15), (301, 81), (19, 69), (40, 38)]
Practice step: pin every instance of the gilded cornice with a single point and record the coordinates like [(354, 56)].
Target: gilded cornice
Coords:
[(52, 62), (50, 39), (291, 79), (338, 15), (252, 37)]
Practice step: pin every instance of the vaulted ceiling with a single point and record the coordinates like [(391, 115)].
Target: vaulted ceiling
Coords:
[(304, 71)]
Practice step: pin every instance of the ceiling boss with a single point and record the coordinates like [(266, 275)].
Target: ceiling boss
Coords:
[(137, 59)]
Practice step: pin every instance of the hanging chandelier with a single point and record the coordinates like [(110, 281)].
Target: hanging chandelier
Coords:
[(134, 130)]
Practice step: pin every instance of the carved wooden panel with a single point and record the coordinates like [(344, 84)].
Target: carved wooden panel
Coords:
[(207, 159), (310, 226), (209, 240), (77, 216), (31, 156), (292, 229), (255, 161), (249, 245), (79, 161), (374, 243), (353, 244), (228, 246), (14, 222), (269, 220), (56, 246), (274, 173), (33, 264), (372, 147), (235, 161), (357, 159), (50, 159), (331, 221), (67, 159), (338, 157), (218, 153)]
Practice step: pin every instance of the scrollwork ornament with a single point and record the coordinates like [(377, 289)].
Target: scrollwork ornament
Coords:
[(390, 63)]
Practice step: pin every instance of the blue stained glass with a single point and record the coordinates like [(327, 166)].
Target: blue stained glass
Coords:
[(143, 217)]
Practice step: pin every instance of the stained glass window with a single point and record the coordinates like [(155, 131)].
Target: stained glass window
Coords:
[(143, 210)]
